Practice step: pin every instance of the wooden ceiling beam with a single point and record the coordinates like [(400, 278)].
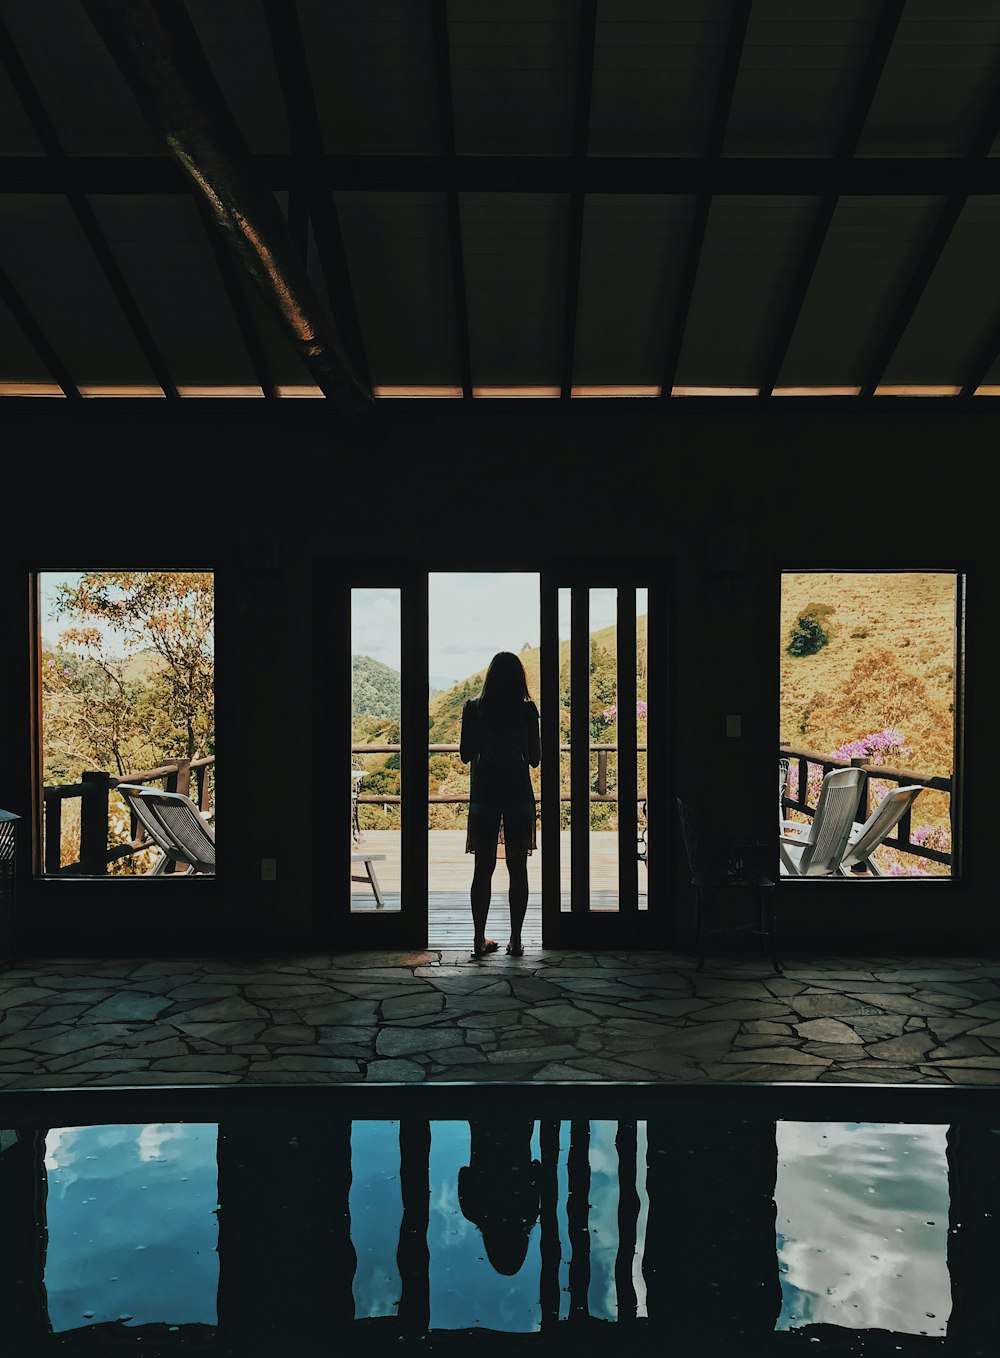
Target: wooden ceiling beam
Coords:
[(980, 367), (229, 275), (456, 253), (84, 213), (307, 200), (979, 150), (729, 70), (878, 53), (581, 136), (884, 176), (37, 338), (156, 47)]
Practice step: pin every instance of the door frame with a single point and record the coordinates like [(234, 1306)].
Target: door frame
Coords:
[(336, 925)]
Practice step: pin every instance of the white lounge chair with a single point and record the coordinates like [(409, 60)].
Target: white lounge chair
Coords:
[(865, 839), (815, 850)]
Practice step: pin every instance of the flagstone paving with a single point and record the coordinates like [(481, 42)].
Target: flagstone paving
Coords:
[(551, 1016)]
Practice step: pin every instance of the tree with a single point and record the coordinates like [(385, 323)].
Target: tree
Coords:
[(157, 693)]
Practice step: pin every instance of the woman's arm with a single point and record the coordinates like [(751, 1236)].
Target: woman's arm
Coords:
[(467, 740), (534, 741)]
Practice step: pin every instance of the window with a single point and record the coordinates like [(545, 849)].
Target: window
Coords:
[(870, 663), (126, 681)]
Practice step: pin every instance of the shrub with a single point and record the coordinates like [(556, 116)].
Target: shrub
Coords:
[(808, 636)]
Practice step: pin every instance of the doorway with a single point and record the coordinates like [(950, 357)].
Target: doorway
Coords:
[(592, 637)]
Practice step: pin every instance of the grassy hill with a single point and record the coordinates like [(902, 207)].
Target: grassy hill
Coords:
[(889, 662), (446, 708)]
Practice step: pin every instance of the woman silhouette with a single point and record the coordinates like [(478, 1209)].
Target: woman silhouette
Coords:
[(500, 742)]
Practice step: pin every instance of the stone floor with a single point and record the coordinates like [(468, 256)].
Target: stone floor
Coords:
[(550, 1016)]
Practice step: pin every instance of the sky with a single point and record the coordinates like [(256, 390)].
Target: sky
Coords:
[(472, 616)]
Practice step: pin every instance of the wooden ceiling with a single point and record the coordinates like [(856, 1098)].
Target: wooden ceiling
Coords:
[(560, 198)]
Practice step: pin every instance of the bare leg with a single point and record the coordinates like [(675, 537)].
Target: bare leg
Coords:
[(481, 892), (517, 895)]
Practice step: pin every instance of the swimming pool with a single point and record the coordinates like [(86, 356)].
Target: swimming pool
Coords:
[(738, 1219)]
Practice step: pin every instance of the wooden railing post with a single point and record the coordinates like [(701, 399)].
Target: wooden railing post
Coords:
[(602, 772), (53, 834), (864, 806), (94, 823), (180, 779)]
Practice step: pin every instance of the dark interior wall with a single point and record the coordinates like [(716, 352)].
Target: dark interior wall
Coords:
[(262, 492)]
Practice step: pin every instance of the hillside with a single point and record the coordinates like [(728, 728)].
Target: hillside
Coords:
[(889, 662), (446, 708), (375, 688)]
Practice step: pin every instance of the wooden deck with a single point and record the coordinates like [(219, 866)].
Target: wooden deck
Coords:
[(450, 874)]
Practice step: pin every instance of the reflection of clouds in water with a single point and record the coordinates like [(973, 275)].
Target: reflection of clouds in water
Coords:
[(131, 1232), (603, 1219), (638, 1281), (59, 1146), (376, 1208), (862, 1222), (64, 1159), (153, 1138)]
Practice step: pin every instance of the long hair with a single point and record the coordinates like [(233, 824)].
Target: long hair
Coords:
[(505, 690)]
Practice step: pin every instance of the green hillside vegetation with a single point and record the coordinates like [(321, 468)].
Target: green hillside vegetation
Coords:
[(374, 688), (448, 776)]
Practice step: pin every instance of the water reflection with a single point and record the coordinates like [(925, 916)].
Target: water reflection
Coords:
[(132, 1232), (692, 1230), (376, 1213), (862, 1226)]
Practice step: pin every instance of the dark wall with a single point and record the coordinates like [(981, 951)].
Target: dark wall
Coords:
[(261, 492)]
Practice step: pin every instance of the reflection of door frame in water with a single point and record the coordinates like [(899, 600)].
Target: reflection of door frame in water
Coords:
[(459, 911)]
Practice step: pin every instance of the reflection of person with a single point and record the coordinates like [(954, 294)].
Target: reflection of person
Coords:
[(498, 1190), (501, 743)]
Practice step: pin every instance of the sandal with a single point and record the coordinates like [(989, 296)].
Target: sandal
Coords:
[(491, 945), (515, 952)]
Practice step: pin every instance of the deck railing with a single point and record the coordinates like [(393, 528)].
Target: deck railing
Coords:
[(94, 793), (901, 841)]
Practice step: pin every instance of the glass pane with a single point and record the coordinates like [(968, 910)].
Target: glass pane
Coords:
[(868, 678), (641, 691), (127, 691), (471, 617), (603, 714), (565, 762), (862, 1226), (132, 1227), (376, 631)]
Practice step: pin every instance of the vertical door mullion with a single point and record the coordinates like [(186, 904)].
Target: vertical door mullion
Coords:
[(658, 727), (413, 758), (628, 866), (334, 699), (551, 764), (579, 706)]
